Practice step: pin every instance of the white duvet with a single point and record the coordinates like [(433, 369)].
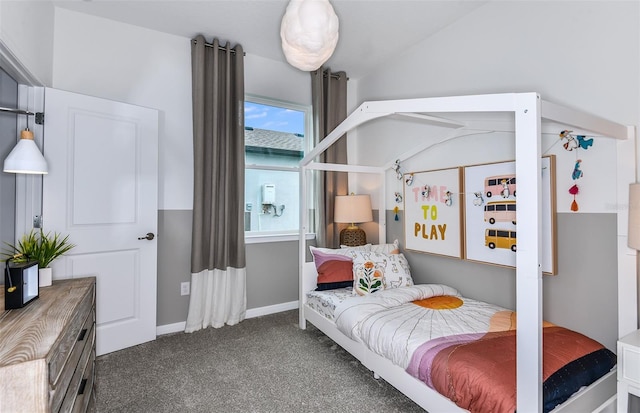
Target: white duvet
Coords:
[(389, 324)]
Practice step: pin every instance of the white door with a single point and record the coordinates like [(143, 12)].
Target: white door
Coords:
[(102, 190)]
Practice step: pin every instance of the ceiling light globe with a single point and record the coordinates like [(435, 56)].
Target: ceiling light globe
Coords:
[(309, 33)]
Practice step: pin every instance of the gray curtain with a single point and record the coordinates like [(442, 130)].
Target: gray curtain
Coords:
[(218, 196), (218, 148), (329, 100)]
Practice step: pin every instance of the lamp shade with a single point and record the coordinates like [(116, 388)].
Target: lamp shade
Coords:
[(634, 217), (309, 33), (25, 158), (352, 209)]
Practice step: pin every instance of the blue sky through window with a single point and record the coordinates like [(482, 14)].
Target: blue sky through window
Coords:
[(274, 118)]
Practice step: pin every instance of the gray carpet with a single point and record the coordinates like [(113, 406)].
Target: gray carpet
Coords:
[(264, 364)]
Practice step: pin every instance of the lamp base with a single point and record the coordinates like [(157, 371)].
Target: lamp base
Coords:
[(353, 237)]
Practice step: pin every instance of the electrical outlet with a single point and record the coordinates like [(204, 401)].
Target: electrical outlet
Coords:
[(185, 288)]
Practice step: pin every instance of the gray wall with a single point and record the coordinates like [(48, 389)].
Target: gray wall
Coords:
[(272, 269), (8, 135), (174, 265), (582, 297)]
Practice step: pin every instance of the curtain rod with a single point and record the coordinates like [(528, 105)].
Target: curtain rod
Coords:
[(18, 111), (333, 76), (219, 47), (39, 115), (244, 54)]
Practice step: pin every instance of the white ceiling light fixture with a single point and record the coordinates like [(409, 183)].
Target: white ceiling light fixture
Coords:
[(25, 158), (309, 33)]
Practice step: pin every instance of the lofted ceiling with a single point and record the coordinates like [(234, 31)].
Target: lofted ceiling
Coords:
[(371, 31)]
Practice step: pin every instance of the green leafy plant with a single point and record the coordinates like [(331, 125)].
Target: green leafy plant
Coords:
[(40, 247)]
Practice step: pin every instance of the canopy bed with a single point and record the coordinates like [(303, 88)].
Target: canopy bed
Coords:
[(530, 115)]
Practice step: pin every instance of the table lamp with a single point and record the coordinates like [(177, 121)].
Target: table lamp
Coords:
[(352, 209)]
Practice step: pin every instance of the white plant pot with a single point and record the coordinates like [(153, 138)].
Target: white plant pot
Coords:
[(44, 274)]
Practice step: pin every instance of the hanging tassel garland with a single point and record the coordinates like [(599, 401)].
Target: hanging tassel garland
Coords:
[(574, 191), (395, 210)]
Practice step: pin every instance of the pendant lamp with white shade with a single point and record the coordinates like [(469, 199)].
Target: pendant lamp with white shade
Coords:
[(309, 33), (25, 158)]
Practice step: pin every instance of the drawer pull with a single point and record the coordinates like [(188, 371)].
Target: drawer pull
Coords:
[(82, 334), (83, 383)]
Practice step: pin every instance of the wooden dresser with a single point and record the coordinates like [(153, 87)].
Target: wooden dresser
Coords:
[(47, 350)]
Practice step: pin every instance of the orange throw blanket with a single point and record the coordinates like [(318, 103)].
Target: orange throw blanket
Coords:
[(480, 375)]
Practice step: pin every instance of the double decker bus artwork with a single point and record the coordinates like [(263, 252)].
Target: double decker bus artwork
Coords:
[(500, 211), (500, 238), (504, 185)]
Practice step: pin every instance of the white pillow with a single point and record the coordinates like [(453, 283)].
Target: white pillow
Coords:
[(365, 247), (393, 248)]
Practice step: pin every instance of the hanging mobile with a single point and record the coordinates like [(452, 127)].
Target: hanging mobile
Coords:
[(398, 196), (574, 191), (577, 173)]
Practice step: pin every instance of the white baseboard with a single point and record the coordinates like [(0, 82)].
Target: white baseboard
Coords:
[(171, 328), (251, 313), (271, 309)]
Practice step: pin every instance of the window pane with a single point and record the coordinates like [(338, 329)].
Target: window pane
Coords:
[(275, 118), (274, 138), (272, 200)]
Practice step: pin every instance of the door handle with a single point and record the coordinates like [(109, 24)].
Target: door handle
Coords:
[(149, 236)]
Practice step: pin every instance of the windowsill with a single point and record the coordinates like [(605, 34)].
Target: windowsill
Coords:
[(262, 238)]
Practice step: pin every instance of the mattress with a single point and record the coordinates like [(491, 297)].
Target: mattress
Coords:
[(325, 302)]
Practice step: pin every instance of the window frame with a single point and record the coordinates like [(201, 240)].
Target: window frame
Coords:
[(253, 237)]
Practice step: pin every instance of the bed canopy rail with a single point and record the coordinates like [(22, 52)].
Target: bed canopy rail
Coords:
[(528, 112), (569, 117)]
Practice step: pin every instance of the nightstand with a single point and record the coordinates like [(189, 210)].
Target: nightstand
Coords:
[(628, 369)]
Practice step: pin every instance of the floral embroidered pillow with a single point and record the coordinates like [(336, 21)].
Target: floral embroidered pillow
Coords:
[(393, 270), (368, 278)]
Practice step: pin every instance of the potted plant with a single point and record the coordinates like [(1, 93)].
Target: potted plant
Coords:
[(41, 247)]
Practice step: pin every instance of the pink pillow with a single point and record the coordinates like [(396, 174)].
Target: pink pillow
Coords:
[(334, 270)]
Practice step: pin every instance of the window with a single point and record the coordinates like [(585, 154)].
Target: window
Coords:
[(275, 141)]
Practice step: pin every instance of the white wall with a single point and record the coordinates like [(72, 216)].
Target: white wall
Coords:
[(581, 54), (108, 59), (99, 57), (26, 29), (578, 53), (276, 80)]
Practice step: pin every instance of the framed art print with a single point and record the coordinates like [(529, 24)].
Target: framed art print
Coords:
[(433, 212), (490, 214)]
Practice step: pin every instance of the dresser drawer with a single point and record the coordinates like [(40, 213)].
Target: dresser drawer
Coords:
[(75, 349), (69, 340), (630, 362), (81, 385)]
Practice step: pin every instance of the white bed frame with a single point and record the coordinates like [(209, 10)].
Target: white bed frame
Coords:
[(530, 114)]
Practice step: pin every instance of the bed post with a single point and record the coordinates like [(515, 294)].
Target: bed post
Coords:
[(627, 271), (302, 246), (528, 255)]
